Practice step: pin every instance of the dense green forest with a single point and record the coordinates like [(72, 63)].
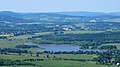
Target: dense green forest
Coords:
[(86, 41)]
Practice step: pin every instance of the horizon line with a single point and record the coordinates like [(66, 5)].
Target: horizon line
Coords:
[(55, 11)]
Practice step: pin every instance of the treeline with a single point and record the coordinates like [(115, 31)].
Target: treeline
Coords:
[(108, 47), (27, 46), (3, 37), (21, 29), (111, 57), (12, 50), (74, 52), (8, 62), (86, 41), (71, 59)]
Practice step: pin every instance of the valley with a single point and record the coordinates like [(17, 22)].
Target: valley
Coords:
[(58, 40)]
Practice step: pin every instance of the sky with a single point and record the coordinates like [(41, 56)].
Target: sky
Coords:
[(60, 5)]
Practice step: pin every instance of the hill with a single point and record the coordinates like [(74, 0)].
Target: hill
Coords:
[(59, 17)]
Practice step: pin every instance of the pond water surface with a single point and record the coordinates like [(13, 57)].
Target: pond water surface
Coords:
[(67, 48), (57, 48), (62, 48)]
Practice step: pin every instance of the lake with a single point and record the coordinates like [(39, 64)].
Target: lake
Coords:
[(57, 48), (68, 48), (62, 48)]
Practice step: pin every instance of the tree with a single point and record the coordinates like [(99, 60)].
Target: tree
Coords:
[(30, 53), (48, 56)]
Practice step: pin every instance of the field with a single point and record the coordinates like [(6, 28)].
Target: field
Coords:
[(43, 56), (82, 32), (64, 64), (48, 62)]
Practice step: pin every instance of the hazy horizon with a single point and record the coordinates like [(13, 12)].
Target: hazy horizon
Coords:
[(59, 12), (106, 6)]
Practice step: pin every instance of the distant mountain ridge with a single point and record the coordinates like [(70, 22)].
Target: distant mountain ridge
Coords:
[(75, 16), (10, 16), (85, 13), (69, 13)]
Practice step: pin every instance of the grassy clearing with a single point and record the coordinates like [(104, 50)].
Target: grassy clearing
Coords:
[(77, 56), (55, 63), (43, 33), (43, 56), (117, 44), (70, 64), (6, 35), (81, 32), (28, 36), (10, 44), (20, 37)]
